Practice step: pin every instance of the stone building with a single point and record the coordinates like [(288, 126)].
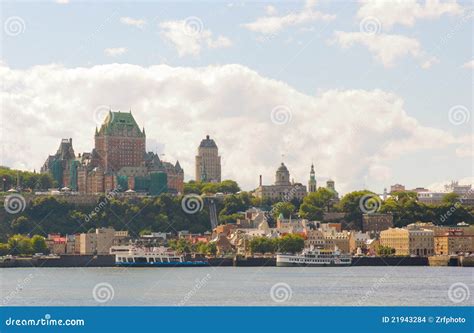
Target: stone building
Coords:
[(208, 162), (376, 222), (119, 162), (412, 240), (283, 189), (453, 242), (61, 165)]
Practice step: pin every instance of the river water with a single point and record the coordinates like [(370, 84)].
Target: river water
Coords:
[(246, 286)]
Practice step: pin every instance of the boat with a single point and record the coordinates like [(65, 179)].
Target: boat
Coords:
[(155, 257), (314, 257)]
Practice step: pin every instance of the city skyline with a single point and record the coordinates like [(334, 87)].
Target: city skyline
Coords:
[(303, 80)]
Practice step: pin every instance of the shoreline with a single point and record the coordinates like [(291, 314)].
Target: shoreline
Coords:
[(109, 261)]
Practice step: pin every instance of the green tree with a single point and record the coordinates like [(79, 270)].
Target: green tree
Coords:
[(262, 245), (315, 204), (384, 251), (284, 208), (450, 198), (4, 249), (20, 245), (352, 202), (21, 225), (290, 243), (38, 244)]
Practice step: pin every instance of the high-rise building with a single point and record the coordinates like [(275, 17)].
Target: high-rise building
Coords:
[(120, 143), (312, 185), (208, 162)]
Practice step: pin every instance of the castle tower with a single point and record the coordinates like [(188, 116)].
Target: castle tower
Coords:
[(312, 186), (119, 142), (208, 162)]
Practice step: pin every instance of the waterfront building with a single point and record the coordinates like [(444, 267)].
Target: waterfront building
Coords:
[(358, 240), (412, 240), (208, 162), (453, 241), (118, 162), (282, 189), (376, 222), (98, 242), (312, 184)]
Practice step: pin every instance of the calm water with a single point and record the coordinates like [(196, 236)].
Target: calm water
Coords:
[(237, 286)]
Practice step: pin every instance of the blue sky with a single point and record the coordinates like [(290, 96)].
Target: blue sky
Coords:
[(305, 56)]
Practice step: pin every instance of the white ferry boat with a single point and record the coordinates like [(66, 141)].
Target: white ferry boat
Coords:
[(314, 257), (154, 257)]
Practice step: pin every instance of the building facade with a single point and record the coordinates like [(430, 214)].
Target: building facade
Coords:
[(208, 162), (118, 162), (453, 242), (376, 222), (412, 240), (283, 189)]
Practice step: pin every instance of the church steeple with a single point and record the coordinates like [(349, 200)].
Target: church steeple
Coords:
[(312, 185)]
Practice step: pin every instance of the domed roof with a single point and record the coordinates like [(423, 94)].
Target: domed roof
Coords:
[(282, 168), (208, 143)]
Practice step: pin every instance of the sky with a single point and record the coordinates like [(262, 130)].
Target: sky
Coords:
[(373, 93)]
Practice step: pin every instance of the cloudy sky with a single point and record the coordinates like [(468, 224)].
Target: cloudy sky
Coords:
[(373, 93)]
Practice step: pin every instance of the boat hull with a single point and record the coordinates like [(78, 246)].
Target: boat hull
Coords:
[(163, 264), (291, 264)]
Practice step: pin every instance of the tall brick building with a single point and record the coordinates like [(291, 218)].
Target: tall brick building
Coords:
[(120, 143), (119, 161)]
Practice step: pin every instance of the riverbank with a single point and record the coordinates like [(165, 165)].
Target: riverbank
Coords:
[(109, 261)]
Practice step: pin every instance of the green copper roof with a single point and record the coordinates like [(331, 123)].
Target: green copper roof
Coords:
[(120, 123)]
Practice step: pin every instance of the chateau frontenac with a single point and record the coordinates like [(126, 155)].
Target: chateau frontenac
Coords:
[(119, 161)]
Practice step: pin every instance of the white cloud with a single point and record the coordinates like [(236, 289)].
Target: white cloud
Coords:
[(270, 10), (406, 12), (62, 2), (387, 49), (139, 23), (115, 51), (351, 135), (189, 37), (469, 65), (272, 24)]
